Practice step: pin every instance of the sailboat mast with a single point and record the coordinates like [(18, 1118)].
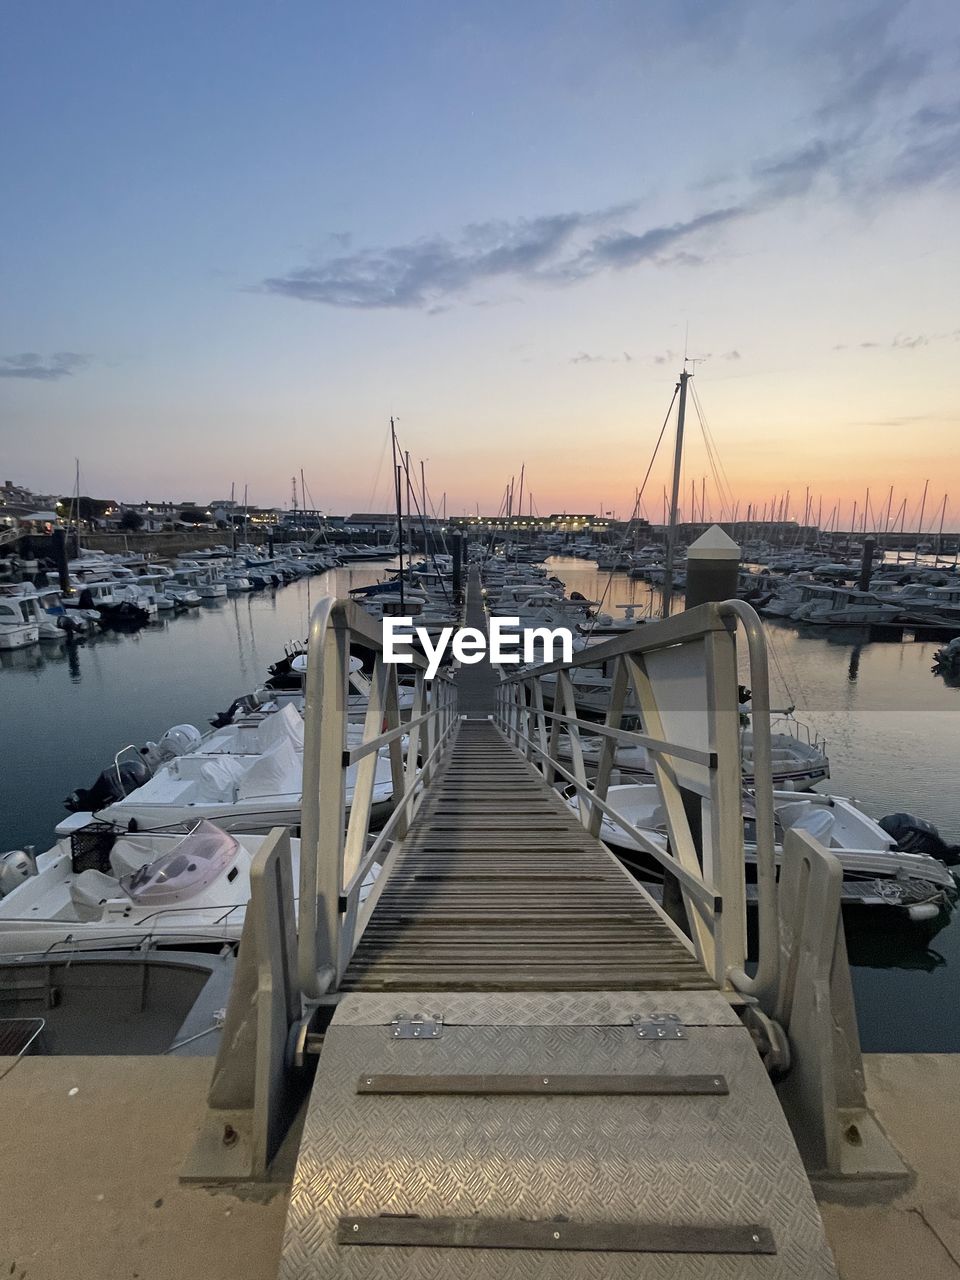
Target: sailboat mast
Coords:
[(396, 480), (674, 499), (523, 467), (923, 507), (406, 470)]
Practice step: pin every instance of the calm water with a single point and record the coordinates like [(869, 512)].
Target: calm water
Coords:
[(892, 728)]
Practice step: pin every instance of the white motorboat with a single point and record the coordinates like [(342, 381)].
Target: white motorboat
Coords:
[(797, 761), (18, 634), (245, 776), (205, 579), (28, 609), (99, 889), (876, 873)]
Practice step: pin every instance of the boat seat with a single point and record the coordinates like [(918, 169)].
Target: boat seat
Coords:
[(89, 891), (804, 816)]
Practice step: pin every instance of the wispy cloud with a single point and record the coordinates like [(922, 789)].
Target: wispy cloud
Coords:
[(554, 249), (584, 357), (869, 61), (901, 342), (869, 133), (28, 364)]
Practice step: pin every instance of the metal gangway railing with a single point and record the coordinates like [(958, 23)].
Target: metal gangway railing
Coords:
[(337, 848), (681, 677)]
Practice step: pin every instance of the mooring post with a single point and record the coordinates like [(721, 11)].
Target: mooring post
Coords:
[(458, 569), (59, 543), (713, 567), (866, 564)]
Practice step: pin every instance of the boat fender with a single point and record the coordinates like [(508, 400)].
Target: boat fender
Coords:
[(923, 911)]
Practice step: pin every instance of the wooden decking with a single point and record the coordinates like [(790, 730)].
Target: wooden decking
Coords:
[(499, 888)]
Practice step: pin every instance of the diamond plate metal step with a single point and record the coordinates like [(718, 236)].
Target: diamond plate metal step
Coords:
[(640, 1170)]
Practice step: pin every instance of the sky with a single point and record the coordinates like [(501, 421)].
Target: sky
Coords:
[(235, 238)]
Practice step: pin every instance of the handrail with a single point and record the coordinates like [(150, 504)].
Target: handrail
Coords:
[(682, 675), (768, 927), (335, 850), (694, 885)]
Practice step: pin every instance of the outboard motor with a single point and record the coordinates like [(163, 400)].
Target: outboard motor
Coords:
[(178, 740), (916, 835), (246, 703), (15, 867), (112, 785)]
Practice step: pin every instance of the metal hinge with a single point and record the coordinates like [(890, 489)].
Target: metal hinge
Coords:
[(418, 1026), (660, 1026)]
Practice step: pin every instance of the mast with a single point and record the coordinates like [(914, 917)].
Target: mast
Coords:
[(396, 484), (423, 505), (674, 498), (406, 470), (923, 507), (520, 508)]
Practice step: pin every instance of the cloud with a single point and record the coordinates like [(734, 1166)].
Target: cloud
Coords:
[(859, 136), (62, 364), (583, 357), (794, 172), (869, 62), (558, 249), (422, 273), (623, 249), (902, 342), (929, 150)]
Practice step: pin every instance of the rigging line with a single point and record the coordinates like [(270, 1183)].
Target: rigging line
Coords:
[(713, 447), (376, 478), (711, 453), (724, 488), (636, 507), (725, 498)]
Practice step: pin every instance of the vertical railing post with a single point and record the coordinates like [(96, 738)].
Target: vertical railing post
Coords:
[(324, 798), (723, 853), (608, 747), (536, 690), (567, 699), (527, 713), (553, 745), (395, 748)]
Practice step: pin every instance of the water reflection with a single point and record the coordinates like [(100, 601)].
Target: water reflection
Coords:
[(854, 668)]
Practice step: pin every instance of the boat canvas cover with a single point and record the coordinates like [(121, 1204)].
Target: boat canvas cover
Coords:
[(277, 772), (285, 725)]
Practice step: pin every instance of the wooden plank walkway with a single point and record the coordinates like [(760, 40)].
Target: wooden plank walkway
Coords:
[(498, 887)]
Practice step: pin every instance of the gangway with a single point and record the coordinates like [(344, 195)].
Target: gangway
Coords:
[(524, 1065)]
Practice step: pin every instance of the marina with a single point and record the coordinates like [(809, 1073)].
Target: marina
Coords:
[(870, 700), (480, 643)]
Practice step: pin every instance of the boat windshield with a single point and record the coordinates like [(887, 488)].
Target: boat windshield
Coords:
[(199, 859)]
